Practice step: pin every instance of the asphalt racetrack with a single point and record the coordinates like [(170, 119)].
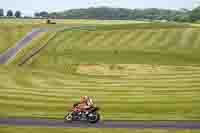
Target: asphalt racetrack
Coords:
[(102, 124)]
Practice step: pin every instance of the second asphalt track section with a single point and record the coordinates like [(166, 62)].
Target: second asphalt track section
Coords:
[(12, 52), (193, 125)]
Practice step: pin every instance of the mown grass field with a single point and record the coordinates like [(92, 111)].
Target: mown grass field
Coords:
[(142, 44), (56, 130), (12, 30), (69, 21), (124, 92), (133, 72)]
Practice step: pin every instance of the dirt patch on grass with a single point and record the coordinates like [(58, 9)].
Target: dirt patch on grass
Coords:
[(119, 69), (131, 69)]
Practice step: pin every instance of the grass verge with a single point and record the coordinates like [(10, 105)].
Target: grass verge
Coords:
[(62, 130)]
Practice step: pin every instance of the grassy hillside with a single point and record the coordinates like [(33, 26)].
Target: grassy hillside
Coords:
[(139, 72), (69, 21), (96, 22), (133, 92), (13, 30), (125, 44)]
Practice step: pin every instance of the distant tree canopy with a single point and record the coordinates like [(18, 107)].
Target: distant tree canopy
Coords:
[(119, 14), (9, 13), (103, 13), (195, 14), (1, 12), (43, 14), (18, 14)]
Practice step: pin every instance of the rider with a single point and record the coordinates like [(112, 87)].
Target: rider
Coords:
[(85, 104)]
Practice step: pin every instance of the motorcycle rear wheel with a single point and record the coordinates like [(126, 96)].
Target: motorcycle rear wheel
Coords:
[(68, 118)]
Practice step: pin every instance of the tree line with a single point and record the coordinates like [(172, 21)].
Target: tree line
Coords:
[(10, 13), (103, 13)]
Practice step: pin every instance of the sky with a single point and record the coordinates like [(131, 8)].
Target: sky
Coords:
[(28, 7)]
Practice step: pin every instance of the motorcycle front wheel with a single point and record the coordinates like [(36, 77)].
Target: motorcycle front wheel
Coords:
[(93, 117)]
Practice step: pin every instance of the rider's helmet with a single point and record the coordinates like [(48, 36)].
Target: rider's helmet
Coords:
[(84, 99)]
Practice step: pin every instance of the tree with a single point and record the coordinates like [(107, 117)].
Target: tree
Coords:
[(1, 12), (119, 14), (37, 14), (182, 15), (195, 14), (10, 13), (43, 14), (184, 10), (18, 14), (182, 18), (53, 15)]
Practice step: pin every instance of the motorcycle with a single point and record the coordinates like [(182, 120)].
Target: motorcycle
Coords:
[(91, 115)]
